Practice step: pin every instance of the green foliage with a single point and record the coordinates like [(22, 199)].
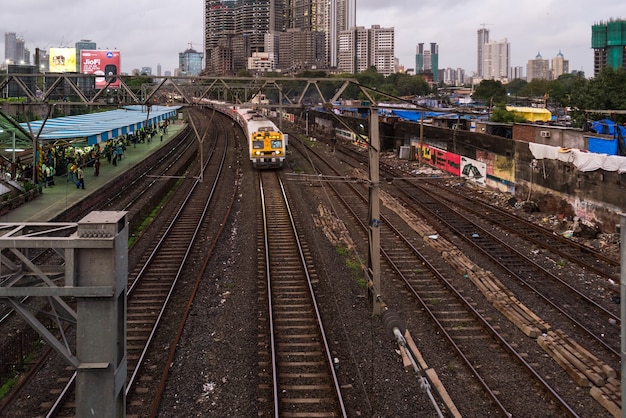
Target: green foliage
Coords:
[(137, 82), (535, 89), (605, 92), (6, 388), (407, 85), (313, 74), (342, 251), (513, 88), (244, 73), (490, 92), (370, 78), (565, 87), (500, 114)]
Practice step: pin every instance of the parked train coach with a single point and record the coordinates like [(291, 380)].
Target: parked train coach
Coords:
[(267, 145)]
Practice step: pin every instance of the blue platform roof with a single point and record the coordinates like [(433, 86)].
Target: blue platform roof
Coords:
[(102, 126)]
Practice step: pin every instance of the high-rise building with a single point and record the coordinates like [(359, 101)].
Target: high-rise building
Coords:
[(190, 62), (10, 52), (42, 62), (427, 62), (235, 29), (361, 48), (538, 69), (517, 73), (454, 77), (22, 53), (83, 44), (301, 50), (494, 57), (559, 66), (227, 23), (15, 51), (158, 70), (353, 53), (608, 40), (483, 38)]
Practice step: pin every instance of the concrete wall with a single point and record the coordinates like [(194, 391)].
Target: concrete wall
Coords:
[(557, 187)]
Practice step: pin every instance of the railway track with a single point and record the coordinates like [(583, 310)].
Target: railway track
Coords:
[(587, 258), (155, 282), (417, 272), (296, 367), (580, 325), (596, 321), (583, 312)]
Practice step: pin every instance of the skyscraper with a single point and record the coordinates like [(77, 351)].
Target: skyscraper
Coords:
[(235, 29), (538, 69), (483, 38), (559, 66), (83, 44), (189, 62), (494, 57), (361, 48), (15, 51), (608, 41), (427, 62)]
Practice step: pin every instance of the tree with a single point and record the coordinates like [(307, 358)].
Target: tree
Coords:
[(408, 85), (500, 114), (137, 81), (370, 77), (535, 89), (244, 73), (604, 92), (515, 86), (490, 92), (564, 88)]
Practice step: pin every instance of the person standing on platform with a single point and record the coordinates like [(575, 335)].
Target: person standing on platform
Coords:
[(96, 167), (81, 178)]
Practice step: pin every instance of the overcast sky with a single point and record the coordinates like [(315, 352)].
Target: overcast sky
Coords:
[(149, 32)]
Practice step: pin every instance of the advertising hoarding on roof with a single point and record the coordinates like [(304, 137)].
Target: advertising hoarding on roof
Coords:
[(62, 60), (104, 63)]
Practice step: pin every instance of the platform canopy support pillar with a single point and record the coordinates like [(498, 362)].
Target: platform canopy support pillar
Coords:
[(90, 265)]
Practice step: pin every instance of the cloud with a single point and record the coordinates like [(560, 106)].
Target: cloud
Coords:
[(151, 32)]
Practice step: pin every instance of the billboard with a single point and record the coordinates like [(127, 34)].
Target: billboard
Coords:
[(62, 60), (104, 63)]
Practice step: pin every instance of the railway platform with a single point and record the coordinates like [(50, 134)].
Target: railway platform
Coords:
[(56, 199)]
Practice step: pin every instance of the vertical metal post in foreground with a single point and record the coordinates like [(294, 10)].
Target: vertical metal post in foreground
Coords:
[(101, 325), (374, 209), (90, 266), (623, 305)]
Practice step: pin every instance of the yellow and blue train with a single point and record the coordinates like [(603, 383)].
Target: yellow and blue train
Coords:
[(267, 145)]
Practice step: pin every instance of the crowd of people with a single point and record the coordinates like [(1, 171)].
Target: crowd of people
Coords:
[(63, 159)]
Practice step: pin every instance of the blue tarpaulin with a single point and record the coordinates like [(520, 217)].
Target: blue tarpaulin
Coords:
[(602, 145), (415, 115), (608, 127)]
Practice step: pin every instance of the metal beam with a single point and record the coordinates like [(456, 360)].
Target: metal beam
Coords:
[(93, 257)]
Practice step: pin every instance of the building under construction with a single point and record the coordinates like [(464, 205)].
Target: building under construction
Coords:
[(608, 40)]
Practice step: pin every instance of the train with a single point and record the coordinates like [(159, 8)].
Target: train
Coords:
[(346, 135), (267, 145)]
